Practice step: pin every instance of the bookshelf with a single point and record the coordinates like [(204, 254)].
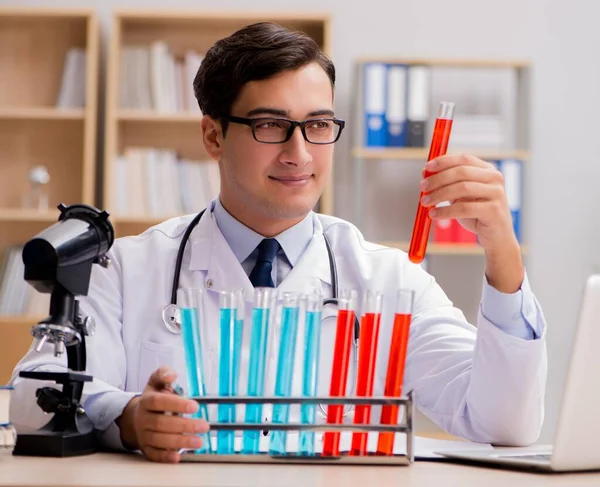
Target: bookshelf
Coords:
[(412, 158), (387, 176), (48, 113), (146, 123)]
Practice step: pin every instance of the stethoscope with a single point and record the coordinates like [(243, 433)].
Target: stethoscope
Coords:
[(171, 314)]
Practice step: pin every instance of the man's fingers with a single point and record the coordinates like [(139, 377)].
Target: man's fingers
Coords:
[(462, 209), (460, 174), (447, 161), (166, 402), (467, 190), (161, 378), (162, 456), (170, 441), (175, 424)]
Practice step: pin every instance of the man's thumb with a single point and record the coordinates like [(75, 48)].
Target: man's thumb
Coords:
[(161, 378)]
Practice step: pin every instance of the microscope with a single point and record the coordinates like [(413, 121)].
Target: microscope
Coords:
[(58, 261)]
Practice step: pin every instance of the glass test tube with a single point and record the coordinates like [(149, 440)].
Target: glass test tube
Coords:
[(227, 379), (259, 342), (395, 368), (195, 348), (285, 370), (367, 357), (438, 147), (312, 342), (238, 337), (339, 368)]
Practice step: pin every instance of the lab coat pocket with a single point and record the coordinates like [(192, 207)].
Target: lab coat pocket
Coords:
[(152, 356)]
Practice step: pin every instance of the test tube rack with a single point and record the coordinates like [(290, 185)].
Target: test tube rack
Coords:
[(404, 425)]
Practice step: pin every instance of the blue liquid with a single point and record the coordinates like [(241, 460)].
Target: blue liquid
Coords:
[(192, 345), (283, 381), (238, 337), (256, 375), (308, 412), (227, 379)]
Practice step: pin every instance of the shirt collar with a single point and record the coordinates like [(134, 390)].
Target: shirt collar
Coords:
[(243, 240)]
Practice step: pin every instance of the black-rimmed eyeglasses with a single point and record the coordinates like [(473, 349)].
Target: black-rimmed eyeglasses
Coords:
[(274, 130)]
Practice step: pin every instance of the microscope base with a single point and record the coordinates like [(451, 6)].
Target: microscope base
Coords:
[(46, 442)]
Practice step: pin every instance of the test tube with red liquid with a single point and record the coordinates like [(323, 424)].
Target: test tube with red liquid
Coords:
[(395, 367), (339, 369), (367, 356), (439, 145)]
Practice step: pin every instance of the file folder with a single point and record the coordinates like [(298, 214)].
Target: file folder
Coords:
[(374, 104)]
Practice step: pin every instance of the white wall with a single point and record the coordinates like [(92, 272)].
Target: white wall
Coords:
[(561, 39)]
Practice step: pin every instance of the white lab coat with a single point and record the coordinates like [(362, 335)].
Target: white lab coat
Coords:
[(477, 383)]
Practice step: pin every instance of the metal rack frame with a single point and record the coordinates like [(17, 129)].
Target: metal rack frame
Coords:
[(405, 425)]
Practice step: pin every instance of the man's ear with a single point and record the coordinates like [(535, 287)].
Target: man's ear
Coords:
[(212, 137)]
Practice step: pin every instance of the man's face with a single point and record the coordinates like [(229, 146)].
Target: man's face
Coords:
[(277, 181)]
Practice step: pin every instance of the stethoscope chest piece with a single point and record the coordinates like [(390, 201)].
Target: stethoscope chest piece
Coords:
[(171, 316)]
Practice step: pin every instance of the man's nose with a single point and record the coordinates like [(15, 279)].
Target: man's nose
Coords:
[(296, 151)]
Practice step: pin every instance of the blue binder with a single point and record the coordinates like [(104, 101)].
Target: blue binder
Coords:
[(374, 96), (396, 119), (512, 170)]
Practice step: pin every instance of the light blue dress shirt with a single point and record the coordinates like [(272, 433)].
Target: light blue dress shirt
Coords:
[(244, 241), (513, 313)]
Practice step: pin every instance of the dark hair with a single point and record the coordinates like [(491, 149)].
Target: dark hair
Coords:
[(255, 52)]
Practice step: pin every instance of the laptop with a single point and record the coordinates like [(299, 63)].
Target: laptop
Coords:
[(577, 438)]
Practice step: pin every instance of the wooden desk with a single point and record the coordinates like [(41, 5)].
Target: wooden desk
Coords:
[(116, 470)]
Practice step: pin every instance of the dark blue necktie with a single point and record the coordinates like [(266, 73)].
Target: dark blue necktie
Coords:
[(261, 274)]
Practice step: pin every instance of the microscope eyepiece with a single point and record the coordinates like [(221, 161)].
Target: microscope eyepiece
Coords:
[(64, 253)]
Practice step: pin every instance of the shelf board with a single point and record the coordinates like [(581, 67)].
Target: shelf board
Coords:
[(150, 14), (41, 113), (452, 63), (141, 220), (151, 116), (42, 12), (15, 215), (19, 320), (445, 248), (421, 153), (441, 248)]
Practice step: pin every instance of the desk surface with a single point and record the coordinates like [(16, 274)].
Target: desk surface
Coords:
[(116, 470)]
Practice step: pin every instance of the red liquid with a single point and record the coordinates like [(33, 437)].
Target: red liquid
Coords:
[(339, 377), (367, 355), (393, 380), (420, 235)]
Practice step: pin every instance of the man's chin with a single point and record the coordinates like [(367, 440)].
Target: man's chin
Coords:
[(292, 207)]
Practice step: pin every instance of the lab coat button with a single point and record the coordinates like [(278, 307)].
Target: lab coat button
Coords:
[(209, 283)]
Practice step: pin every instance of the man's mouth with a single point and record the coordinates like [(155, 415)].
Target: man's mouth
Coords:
[(298, 180)]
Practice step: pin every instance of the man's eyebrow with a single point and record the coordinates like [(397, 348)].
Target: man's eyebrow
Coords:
[(317, 113), (285, 113), (267, 110)]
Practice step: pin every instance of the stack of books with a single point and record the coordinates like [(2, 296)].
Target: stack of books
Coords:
[(8, 434)]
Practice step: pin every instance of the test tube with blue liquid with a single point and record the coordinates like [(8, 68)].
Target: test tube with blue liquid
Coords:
[(228, 379), (285, 370), (195, 348), (259, 344), (238, 337), (312, 343)]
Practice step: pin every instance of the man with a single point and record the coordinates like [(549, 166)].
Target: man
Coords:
[(267, 96)]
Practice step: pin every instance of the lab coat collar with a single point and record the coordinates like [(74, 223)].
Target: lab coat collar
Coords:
[(210, 252)]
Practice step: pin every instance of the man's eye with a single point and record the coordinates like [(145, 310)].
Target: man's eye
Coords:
[(320, 125), (271, 124)]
